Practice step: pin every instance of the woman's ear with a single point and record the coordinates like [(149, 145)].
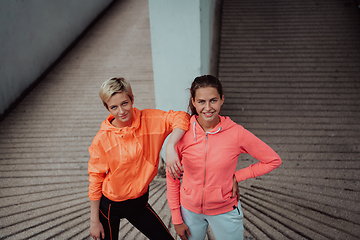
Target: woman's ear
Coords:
[(131, 99), (222, 99)]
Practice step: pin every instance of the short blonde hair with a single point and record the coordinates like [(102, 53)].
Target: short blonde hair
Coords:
[(112, 86)]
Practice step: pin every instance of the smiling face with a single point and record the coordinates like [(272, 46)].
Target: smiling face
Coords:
[(121, 107), (207, 103)]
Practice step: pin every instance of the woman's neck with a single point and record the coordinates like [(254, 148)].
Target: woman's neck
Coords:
[(208, 126), (119, 124)]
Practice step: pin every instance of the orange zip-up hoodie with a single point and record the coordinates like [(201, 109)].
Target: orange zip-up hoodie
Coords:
[(209, 161), (123, 161)]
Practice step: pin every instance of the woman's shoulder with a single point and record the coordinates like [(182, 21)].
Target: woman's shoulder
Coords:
[(150, 111), (100, 136), (228, 123)]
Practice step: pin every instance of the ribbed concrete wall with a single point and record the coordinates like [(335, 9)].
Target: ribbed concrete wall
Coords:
[(291, 71)]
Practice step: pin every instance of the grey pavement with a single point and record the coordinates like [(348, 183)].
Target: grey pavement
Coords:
[(291, 72)]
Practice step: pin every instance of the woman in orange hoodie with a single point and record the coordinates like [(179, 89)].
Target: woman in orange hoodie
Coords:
[(124, 158), (209, 152)]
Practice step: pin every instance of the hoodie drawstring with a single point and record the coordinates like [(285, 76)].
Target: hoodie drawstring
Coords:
[(194, 123), (215, 132), (194, 131)]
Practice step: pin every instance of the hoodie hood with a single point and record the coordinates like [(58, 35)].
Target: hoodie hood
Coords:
[(224, 124)]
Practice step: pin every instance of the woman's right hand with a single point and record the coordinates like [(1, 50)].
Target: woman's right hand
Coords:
[(182, 230), (173, 165), (96, 230), (235, 191)]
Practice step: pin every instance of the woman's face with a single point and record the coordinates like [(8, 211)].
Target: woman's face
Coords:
[(121, 107), (207, 103)]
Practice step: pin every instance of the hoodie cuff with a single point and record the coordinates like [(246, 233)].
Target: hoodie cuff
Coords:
[(176, 216), (243, 174)]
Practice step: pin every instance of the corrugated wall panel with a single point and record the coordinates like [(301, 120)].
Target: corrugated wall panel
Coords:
[(291, 72)]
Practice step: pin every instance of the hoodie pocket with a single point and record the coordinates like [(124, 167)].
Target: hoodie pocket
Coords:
[(191, 194), (215, 196)]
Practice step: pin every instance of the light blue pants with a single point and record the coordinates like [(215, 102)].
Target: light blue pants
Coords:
[(226, 226)]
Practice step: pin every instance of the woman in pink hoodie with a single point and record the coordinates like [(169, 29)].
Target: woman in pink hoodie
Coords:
[(209, 152)]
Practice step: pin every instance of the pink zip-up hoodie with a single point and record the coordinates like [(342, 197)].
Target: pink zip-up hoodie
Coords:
[(209, 161)]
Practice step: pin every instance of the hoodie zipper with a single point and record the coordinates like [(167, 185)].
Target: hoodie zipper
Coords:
[(206, 147), (202, 198)]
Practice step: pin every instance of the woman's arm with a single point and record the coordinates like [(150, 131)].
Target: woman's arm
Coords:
[(97, 168), (173, 196), (96, 228), (172, 160), (268, 158), (179, 122)]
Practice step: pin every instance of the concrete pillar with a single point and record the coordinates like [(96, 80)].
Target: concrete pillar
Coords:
[(181, 41)]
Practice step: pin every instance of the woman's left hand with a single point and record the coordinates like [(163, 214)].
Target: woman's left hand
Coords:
[(236, 191)]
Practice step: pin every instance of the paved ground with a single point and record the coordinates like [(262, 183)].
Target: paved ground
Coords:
[(291, 71)]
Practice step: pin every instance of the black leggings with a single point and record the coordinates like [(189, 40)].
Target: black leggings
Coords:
[(138, 212)]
